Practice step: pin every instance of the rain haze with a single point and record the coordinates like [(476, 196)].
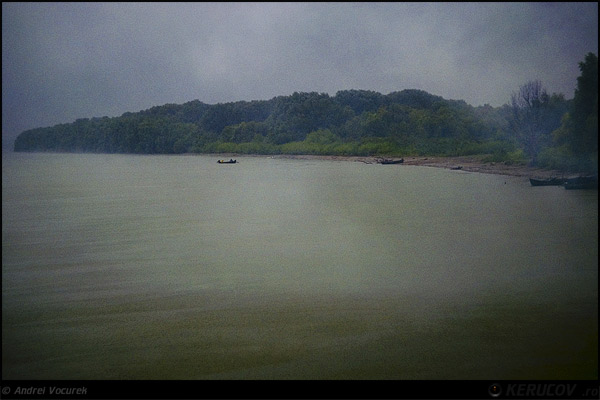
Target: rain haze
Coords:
[(64, 61)]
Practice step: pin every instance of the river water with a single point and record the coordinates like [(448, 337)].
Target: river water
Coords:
[(176, 267)]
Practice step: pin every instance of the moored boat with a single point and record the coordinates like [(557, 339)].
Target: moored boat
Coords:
[(385, 161), (582, 182), (546, 182), (231, 161)]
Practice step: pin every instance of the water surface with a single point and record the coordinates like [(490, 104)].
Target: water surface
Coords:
[(176, 267)]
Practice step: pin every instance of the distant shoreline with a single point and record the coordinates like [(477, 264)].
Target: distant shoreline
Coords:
[(464, 163)]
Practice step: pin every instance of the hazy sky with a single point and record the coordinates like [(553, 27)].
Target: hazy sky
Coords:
[(63, 61)]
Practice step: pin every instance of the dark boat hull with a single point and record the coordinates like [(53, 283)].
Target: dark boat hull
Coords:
[(546, 182), (227, 162), (582, 182), (386, 162)]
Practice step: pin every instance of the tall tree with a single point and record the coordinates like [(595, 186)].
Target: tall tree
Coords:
[(577, 137), (584, 115), (528, 108)]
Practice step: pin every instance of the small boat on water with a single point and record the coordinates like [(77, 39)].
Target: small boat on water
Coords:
[(582, 182), (546, 182), (231, 161), (385, 161)]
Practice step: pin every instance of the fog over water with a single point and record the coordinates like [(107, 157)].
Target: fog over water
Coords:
[(176, 267)]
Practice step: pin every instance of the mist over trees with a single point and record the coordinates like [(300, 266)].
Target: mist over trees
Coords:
[(535, 127), (534, 116)]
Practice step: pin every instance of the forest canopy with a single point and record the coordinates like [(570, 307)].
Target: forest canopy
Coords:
[(535, 127)]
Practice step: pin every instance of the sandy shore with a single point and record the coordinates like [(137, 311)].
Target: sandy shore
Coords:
[(468, 163)]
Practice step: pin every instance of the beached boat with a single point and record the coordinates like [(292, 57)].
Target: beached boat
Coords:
[(231, 161), (582, 182), (546, 182), (389, 161)]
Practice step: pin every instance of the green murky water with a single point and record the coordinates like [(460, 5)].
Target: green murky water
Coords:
[(176, 267)]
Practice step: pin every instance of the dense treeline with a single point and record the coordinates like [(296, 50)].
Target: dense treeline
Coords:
[(351, 122), (535, 126)]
